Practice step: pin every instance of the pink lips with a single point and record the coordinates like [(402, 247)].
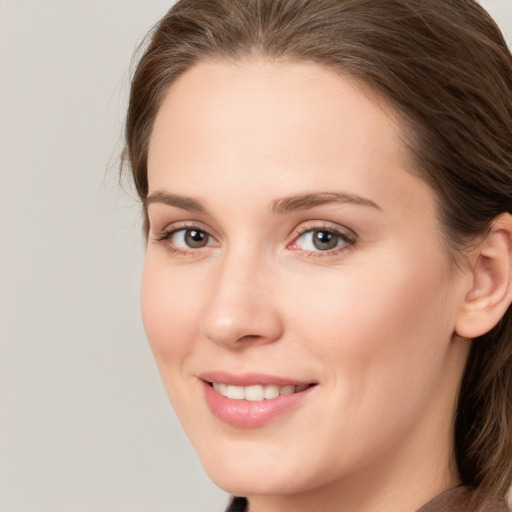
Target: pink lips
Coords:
[(245, 413)]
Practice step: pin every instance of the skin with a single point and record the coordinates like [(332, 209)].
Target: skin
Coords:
[(371, 322)]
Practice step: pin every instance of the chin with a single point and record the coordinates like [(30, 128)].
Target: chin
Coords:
[(249, 469), (251, 481)]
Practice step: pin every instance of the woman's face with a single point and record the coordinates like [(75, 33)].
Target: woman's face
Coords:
[(296, 292)]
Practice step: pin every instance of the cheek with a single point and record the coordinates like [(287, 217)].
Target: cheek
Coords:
[(169, 301), (380, 330)]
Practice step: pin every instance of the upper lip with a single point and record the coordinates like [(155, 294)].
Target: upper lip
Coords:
[(250, 379)]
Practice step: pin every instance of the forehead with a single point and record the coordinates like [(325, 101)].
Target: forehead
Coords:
[(270, 108), (290, 124)]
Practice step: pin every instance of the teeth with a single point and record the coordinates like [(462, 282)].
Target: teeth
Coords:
[(235, 392), (287, 390), (271, 392), (256, 393), (220, 388)]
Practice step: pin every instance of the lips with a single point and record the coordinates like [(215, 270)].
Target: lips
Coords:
[(252, 400)]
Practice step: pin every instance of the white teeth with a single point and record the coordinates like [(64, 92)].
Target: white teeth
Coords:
[(271, 391), (235, 392), (257, 392), (221, 388), (254, 393)]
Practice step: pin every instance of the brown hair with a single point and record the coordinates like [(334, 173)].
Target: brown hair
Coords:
[(445, 67)]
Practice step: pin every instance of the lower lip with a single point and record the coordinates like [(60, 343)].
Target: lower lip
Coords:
[(247, 414)]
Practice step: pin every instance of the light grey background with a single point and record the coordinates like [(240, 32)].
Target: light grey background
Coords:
[(84, 421)]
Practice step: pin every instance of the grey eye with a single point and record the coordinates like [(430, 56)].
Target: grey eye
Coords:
[(325, 240), (318, 240), (194, 238)]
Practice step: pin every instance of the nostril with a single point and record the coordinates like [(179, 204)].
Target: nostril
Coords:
[(249, 337)]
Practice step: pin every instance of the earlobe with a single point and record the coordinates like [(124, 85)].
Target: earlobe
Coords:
[(490, 293)]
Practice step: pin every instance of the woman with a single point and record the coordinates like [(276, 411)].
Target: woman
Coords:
[(327, 189)]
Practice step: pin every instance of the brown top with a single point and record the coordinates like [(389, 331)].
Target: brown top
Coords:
[(457, 499)]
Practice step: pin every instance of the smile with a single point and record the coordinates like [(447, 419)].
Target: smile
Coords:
[(253, 400), (257, 392)]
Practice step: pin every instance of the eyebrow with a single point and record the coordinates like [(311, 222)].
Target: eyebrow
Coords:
[(185, 203), (279, 206), (307, 201)]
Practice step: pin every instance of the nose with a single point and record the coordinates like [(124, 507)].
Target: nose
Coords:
[(241, 308)]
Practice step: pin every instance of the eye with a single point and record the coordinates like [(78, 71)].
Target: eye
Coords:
[(193, 238), (322, 240), (184, 239)]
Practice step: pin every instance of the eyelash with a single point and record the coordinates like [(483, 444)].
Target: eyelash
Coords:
[(348, 239)]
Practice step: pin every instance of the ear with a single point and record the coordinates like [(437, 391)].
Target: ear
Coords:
[(490, 291)]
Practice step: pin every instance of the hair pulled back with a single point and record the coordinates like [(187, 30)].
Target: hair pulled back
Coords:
[(445, 67)]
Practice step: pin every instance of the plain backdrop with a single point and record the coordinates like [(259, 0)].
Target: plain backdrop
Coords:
[(85, 425)]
